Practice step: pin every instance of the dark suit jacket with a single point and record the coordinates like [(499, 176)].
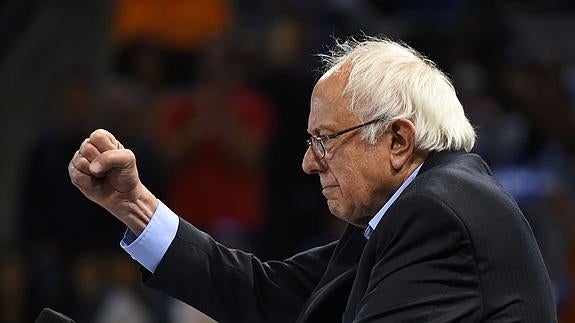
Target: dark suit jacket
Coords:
[(454, 247)]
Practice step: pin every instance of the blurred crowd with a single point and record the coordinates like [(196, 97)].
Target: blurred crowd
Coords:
[(212, 96)]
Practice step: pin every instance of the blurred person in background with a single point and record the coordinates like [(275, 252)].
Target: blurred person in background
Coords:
[(49, 250), (74, 107), (431, 234), (215, 136), (129, 100)]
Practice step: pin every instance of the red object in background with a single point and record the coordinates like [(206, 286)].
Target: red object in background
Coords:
[(209, 185)]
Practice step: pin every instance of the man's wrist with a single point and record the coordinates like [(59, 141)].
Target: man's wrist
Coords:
[(140, 211), (151, 245)]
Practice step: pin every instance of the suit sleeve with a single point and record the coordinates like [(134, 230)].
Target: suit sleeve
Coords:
[(424, 267), (232, 286)]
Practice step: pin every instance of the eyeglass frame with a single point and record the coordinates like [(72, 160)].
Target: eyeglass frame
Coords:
[(323, 138)]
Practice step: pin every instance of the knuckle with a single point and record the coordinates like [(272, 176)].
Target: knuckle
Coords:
[(131, 156), (74, 173), (101, 131), (83, 144), (88, 149), (79, 160), (94, 134), (74, 178), (81, 164), (130, 153), (102, 140), (98, 134), (82, 150)]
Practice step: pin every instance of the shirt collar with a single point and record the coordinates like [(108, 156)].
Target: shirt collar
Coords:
[(379, 215)]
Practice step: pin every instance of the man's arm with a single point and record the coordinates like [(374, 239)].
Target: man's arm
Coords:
[(234, 286), (278, 296), (227, 284)]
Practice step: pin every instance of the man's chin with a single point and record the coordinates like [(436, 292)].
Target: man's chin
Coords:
[(335, 208), (346, 214), (339, 211)]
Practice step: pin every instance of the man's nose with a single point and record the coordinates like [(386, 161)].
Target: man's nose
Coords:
[(311, 163)]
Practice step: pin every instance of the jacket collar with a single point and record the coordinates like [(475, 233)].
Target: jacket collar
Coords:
[(437, 158)]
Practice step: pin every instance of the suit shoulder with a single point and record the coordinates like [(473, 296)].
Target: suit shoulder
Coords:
[(422, 214), (466, 185)]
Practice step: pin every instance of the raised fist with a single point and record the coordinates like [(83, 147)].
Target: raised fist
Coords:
[(106, 173)]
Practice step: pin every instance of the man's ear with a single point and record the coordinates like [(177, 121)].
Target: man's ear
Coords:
[(402, 145)]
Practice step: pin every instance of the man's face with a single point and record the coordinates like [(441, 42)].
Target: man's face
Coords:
[(356, 177)]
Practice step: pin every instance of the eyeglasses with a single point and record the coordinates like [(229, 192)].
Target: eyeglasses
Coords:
[(318, 142)]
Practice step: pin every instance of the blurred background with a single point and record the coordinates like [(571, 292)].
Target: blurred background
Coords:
[(212, 96)]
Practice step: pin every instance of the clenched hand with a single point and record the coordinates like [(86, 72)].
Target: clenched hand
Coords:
[(106, 173)]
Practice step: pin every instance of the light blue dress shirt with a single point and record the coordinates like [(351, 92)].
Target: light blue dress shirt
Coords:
[(151, 245), (379, 215)]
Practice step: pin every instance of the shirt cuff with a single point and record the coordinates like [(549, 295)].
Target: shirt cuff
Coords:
[(151, 245)]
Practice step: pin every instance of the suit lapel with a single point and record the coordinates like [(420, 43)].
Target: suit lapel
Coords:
[(335, 285)]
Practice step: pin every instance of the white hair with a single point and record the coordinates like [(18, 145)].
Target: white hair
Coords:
[(392, 80)]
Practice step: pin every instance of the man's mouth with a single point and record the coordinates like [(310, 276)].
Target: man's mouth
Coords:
[(327, 188)]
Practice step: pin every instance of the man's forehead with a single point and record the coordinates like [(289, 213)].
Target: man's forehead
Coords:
[(329, 88), (320, 115), (327, 105), (338, 73)]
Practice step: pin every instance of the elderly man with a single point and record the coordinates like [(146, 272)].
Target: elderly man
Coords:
[(432, 237)]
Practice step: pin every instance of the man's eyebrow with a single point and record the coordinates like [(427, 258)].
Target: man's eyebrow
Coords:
[(322, 129)]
